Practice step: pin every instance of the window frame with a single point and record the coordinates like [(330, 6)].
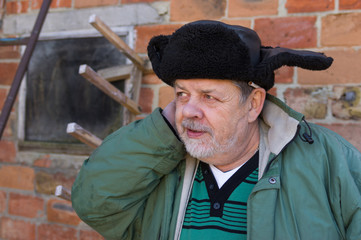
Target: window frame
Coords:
[(126, 32)]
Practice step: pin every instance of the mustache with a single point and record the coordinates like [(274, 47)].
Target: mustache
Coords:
[(196, 126)]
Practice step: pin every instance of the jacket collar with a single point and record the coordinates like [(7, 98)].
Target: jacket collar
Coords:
[(278, 126)]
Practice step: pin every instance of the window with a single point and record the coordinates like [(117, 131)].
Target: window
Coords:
[(55, 94)]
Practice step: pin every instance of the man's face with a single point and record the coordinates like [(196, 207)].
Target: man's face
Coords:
[(211, 120)]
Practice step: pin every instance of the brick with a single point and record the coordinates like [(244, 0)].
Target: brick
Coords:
[(284, 75), (145, 33), (296, 6), (351, 132), (7, 73), (346, 103), (291, 32), (26, 206), (273, 91), (349, 4), (90, 235), (190, 10), (312, 102), (11, 229), (244, 23), (36, 4), (43, 161), (2, 201), (246, 8), (141, 1), (345, 69), (151, 79), (341, 30), (56, 232), (3, 95), (93, 3), (17, 177), (146, 99), (9, 52), (166, 95), (10, 125), (61, 211), (47, 182), (7, 151), (16, 7)]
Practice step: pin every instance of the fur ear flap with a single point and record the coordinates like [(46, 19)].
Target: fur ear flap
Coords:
[(274, 58), (155, 49)]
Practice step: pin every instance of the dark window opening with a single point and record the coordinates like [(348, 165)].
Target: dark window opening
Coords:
[(57, 95)]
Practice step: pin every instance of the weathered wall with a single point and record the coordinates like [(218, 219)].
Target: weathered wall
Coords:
[(28, 210)]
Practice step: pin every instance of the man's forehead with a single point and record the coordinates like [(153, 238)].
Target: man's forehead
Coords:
[(211, 84)]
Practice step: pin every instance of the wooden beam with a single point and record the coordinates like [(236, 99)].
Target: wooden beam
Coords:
[(116, 73), (89, 74), (63, 193), (132, 90), (148, 69), (83, 135), (112, 37), (136, 79)]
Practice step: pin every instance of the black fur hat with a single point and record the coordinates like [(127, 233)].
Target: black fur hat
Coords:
[(215, 50)]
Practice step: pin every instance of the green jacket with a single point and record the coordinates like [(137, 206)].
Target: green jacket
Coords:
[(137, 183)]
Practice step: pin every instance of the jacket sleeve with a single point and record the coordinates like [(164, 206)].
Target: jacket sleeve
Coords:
[(346, 187), (351, 194), (112, 186)]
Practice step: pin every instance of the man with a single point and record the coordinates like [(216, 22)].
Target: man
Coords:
[(224, 159)]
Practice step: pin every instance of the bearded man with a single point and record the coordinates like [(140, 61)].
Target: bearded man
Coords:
[(224, 159)]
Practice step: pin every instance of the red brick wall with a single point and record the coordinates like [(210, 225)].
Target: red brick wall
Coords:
[(332, 98)]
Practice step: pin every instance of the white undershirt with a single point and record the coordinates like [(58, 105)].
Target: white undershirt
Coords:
[(222, 177)]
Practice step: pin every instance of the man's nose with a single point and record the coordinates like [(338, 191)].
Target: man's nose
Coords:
[(192, 110)]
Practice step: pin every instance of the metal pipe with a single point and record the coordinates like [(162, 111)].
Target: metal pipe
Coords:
[(14, 41)]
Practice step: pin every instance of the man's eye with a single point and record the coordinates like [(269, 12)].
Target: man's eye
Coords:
[(181, 94), (209, 97)]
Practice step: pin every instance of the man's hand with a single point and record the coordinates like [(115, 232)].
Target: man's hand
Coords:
[(169, 113)]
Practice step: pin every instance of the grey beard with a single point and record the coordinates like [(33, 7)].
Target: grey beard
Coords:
[(204, 148)]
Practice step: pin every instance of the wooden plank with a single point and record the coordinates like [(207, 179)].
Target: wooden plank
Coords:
[(116, 73), (136, 78), (148, 69), (132, 90), (89, 74), (83, 135), (112, 37), (63, 193)]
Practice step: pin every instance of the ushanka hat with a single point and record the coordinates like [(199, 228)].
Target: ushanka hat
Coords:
[(215, 50)]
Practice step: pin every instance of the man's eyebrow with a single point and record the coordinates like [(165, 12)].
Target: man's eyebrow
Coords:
[(203, 91), (178, 86), (185, 88), (209, 90)]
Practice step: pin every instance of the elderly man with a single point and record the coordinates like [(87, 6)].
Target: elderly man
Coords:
[(224, 160)]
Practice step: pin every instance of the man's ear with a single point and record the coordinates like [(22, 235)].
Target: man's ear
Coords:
[(255, 103)]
